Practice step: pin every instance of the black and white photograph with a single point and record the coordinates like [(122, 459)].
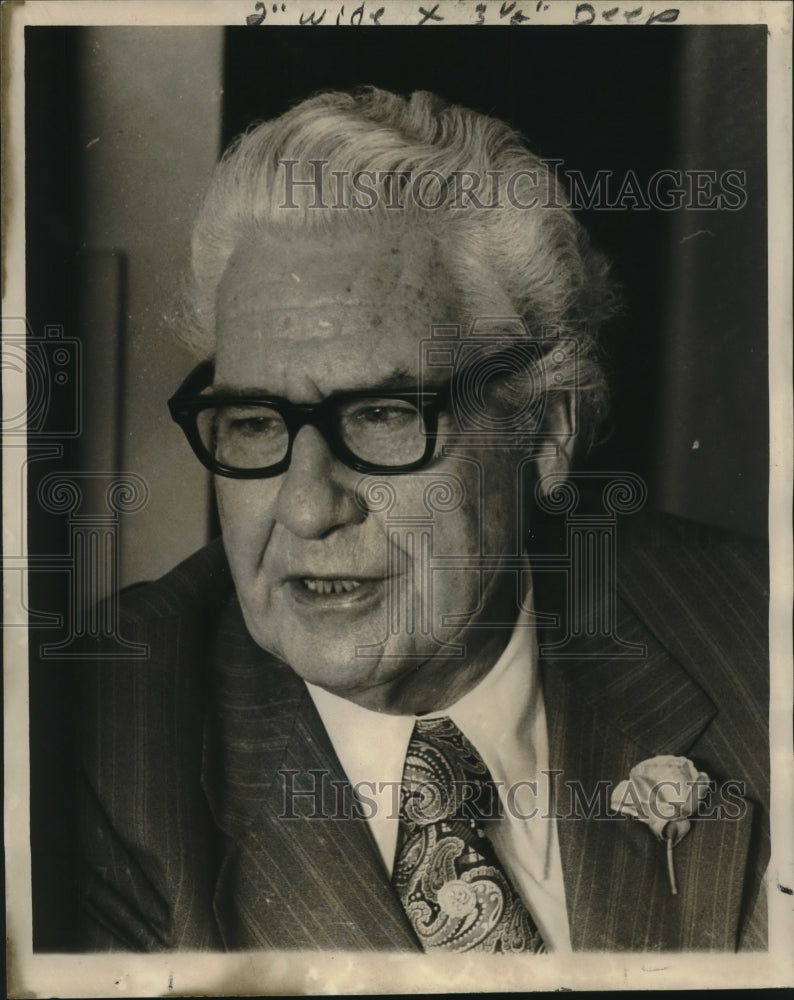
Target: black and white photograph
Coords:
[(397, 491)]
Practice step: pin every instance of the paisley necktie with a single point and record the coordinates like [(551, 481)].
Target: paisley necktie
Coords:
[(454, 890)]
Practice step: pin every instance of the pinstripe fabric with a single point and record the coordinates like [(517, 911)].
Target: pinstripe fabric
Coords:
[(311, 880), (186, 840), (713, 617), (702, 594), (616, 883), (148, 858)]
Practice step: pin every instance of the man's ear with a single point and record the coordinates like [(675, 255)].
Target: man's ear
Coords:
[(559, 431)]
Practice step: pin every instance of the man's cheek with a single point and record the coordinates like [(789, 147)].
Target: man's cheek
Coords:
[(244, 514)]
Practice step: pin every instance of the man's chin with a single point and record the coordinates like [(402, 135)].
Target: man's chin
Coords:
[(328, 652), (348, 677)]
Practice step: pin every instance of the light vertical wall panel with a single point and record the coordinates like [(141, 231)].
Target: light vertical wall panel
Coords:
[(150, 101)]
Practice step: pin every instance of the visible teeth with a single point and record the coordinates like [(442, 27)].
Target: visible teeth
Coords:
[(331, 586)]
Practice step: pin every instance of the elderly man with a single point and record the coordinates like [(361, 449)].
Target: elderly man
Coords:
[(347, 734)]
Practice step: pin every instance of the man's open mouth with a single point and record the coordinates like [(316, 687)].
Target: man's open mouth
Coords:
[(324, 586), (336, 592)]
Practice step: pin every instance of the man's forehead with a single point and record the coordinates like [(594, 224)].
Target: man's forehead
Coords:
[(305, 270), (322, 313)]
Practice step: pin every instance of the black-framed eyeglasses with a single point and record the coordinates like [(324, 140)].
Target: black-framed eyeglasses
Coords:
[(251, 437)]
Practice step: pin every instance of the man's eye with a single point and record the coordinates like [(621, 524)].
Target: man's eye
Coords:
[(250, 424), (384, 415)]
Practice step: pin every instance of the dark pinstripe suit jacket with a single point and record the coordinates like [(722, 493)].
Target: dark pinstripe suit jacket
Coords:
[(184, 845)]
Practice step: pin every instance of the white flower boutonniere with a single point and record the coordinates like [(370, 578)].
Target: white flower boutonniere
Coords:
[(663, 792)]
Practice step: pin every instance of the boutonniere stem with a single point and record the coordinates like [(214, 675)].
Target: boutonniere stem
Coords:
[(671, 868)]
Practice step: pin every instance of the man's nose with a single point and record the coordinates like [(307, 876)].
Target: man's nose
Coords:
[(316, 494)]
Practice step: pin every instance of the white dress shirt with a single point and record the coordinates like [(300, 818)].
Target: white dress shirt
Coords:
[(504, 717)]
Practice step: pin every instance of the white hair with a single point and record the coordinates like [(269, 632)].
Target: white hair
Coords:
[(497, 213)]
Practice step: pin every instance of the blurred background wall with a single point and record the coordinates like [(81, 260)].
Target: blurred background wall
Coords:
[(711, 447), (150, 104)]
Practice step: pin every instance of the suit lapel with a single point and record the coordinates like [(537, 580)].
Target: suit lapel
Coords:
[(605, 715), (299, 866)]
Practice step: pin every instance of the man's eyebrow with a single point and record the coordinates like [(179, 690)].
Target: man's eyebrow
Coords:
[(398, 380), (232, 391)]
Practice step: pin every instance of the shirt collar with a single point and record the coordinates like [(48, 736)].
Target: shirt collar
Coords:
[(496, 714)]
